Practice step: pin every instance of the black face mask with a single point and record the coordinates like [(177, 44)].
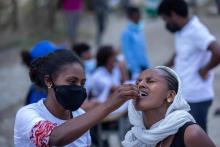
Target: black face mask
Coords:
[(173, 28), (70, 97)]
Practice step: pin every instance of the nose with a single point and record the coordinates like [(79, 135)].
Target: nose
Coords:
[(142, 84)]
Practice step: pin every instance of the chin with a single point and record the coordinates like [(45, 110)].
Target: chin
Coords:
[(142, 107), (138, 106)]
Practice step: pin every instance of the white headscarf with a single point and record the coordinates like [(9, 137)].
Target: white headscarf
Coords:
[(176, 116)]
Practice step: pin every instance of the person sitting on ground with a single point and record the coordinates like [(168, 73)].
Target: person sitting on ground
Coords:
[(58, 119), (159, 117)]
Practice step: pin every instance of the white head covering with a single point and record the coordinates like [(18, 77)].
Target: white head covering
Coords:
[(176, 116)]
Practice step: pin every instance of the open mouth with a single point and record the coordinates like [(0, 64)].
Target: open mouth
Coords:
[(143, 93)]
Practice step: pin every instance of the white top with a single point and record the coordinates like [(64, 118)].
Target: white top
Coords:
[(192, 53), (28, 116), (103, 81)]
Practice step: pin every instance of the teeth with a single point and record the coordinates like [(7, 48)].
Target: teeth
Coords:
[(143, 93)]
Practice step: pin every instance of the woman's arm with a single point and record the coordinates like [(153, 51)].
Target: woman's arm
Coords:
[(76, 127), (194, 136)]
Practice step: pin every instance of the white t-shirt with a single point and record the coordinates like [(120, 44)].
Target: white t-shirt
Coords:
[(29, 117), (192, 53), (103, 81)]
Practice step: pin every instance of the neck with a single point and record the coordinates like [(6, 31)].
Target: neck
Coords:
[(55, 108), (183, 22), (109, 69), (153, 116)]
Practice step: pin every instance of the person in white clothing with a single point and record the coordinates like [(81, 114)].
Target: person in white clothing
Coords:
[(159, 117), (58, 119), (196, 55), (107, 76), (105, 80)]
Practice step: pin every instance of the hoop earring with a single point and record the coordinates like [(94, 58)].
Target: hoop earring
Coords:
[(169, 100), (49, 86)]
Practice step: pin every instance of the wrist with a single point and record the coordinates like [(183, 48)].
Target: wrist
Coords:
[(113, 103)]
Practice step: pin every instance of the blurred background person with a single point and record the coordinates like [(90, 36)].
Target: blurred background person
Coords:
[(218, 5), (133, 43), (40, 49), (101, 10), (83, 50), (72, 10), (196, 55), (107, 76)]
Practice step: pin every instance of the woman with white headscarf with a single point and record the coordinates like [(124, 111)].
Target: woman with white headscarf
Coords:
[(159, 117)]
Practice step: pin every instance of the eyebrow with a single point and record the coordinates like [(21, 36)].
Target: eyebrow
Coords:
[(75, 78), (72, 77)]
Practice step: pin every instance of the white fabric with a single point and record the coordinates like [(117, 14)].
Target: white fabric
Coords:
[(192, 53), (103, 81), (176, 116), (29, 115)]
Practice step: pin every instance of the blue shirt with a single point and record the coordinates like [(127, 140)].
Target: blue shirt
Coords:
[(133, 45), (35, 94)]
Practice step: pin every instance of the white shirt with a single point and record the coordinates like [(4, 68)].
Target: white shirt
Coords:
[(103, 81), (192, 53), (28, 116)]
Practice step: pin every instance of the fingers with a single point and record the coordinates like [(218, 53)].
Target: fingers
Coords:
[(129, 91), (128, 87)]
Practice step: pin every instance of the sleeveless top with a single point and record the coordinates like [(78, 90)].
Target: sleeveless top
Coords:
[(178, 140)]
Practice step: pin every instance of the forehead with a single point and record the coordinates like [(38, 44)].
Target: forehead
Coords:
[(71, 70), (152, 73)]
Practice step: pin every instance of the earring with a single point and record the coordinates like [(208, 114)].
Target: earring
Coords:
[(49, 86), (169, 100)]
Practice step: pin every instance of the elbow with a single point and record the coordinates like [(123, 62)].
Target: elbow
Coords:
[(56, 141), (60, 140)]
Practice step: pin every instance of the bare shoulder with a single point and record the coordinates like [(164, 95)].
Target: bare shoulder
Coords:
[(195, 136)]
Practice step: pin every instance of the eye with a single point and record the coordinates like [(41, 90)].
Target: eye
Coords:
[(151, 81), (72, 82)]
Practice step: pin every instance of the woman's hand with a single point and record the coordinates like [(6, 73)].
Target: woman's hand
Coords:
[(121, 95), (126, 92)]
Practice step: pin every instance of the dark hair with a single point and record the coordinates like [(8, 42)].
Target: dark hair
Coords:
[(178, 6), (171, 80), (26, 57), (51, 65), (103, 54), (80, 48), (131, 10)]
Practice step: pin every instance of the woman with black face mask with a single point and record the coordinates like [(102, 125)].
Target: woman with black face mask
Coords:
[(58, 119)]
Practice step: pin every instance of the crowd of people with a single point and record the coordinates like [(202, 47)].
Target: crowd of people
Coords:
[(73, 89)]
